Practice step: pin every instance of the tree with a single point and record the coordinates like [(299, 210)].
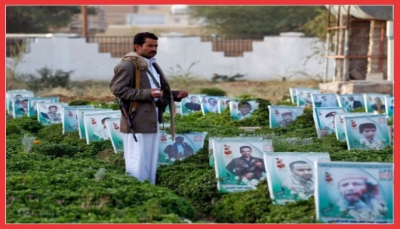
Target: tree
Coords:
[(40, 19), (255, 21)]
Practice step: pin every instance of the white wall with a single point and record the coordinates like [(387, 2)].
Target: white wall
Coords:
[(271, 59)]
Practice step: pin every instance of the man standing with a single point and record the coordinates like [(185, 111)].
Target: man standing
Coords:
[(300, 181), (247, 166), (179, 150), (153, 96)]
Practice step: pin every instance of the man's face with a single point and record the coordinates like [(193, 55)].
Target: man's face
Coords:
[(25, 104), (302, 170), (193, 100), (179, 140), (287, 118), (212, 102), (148, 49), (244, 109), (246, 152), (53, 110), (352, 189), (369, 133)]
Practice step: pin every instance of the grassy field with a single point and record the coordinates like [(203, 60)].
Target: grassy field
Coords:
[(272, 90)]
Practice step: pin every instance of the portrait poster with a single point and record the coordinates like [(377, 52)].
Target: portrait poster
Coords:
[(13, 96), (211, 140), (116, 136), (282, 116), (50, 113), (354, 192), (239, 164), (375, 102), (291, 175), (324, 118), (183, 146), (293, 96), (367, 132), (209, 104), (191, 104), (324, 100), (240, 110), (339, 123), (389, 104), (34, 100), (96, 128), (70, 118), (80, 114), (351, 101), (223, 103), (22, 108), (304, 96)]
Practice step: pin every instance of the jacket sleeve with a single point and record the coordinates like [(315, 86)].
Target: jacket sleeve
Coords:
[(122, 83), (175, 95)]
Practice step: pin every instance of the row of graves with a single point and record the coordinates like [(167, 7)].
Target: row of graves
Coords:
[(344, 192)]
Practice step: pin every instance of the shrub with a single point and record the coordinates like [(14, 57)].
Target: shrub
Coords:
[(25, 123), (213, 91), (78, 102), (51, 133), (58, 150), (47, 79)]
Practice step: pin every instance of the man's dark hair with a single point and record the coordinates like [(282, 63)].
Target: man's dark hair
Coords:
[(104, 119), (244, 103), (141, 37), (24, 100), (53, 106), (209, 99), (242, 147), (366, 125), (291, 165)]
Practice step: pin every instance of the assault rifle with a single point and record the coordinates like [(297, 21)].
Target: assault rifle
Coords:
[(124, 109)]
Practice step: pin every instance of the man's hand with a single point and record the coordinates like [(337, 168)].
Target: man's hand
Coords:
[(156, 93), (182, 94)]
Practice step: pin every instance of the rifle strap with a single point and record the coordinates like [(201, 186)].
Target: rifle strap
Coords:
[(133, 105)]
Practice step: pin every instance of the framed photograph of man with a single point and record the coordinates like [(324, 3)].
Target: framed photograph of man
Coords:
[(209, 104), (223, 103), (304, 96), (50, 113), (211, 141), (116, 136), (282, 116), (70, 118), (389, 104), (354, 192), (351, 101), (80, 114), (324, 100), (183, 146), (22, 108), (375, 102), (293, 96), (191, 104), (96, 128), (239, 164), (324, 118), (339, 123), (13, 96), (291, 175), (34, 100), (240, 109), (367, 132)]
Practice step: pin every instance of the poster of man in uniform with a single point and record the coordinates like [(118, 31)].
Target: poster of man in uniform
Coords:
[(339, 123), (375, 102), (367, 132), (70, 118), (239, 164), (80, 114), (324, 118), (291, 175), (183, 146), (282, 116), (354, 192), (50, 113), (96, 128)]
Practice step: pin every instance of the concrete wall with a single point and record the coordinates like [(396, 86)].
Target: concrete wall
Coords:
[(273, 58)]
